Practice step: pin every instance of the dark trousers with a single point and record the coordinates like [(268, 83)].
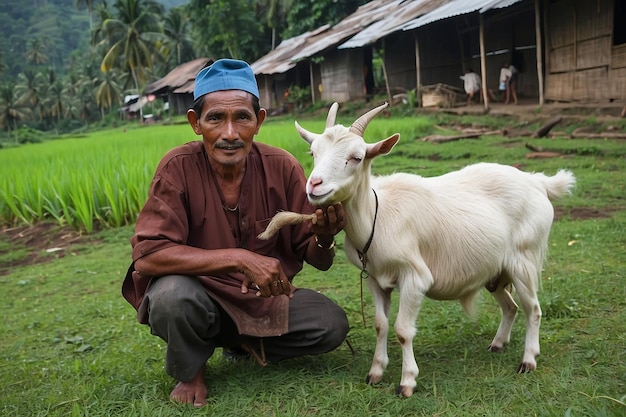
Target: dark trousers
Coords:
[(182, 314)]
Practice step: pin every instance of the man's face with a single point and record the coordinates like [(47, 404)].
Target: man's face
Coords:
[(227, 125)]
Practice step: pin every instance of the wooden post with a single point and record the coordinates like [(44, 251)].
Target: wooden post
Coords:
[(483, 61), (386, 78), (539, 50), (418, 70), (546, 34), (312, 81)]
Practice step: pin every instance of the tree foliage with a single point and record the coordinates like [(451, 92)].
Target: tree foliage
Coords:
[(67, 63), (228, 29), (307, 15)]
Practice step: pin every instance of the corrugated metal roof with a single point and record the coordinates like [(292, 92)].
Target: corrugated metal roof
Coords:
[(457, 8), (498, 4), (409, 9), (280, 59), (180, 75), (363, 17)]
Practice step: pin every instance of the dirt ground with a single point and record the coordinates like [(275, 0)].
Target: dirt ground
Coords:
[(42, 242)]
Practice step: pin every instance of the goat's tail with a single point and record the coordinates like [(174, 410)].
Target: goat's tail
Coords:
[(284, 218), (559, 184)]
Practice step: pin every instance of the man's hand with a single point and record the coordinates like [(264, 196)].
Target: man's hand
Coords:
[(266, 275), (330, 221)]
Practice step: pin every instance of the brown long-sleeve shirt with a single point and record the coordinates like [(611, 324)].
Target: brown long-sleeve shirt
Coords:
[(184, 208)]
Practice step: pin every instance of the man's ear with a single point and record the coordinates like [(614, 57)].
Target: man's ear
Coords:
[(192, 118), (260, 119)]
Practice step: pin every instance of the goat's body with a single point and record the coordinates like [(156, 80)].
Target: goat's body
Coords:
[(446, 237), (467, 226)]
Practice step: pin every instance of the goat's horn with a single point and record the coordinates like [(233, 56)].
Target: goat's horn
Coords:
[(332, 115), (361, 123)]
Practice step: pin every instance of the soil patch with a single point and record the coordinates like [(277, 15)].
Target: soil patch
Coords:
[(584, 213), (42, 242)]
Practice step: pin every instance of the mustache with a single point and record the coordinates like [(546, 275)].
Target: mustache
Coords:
[(230, 145)]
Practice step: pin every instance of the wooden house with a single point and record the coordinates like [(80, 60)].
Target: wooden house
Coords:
[(176, 88)]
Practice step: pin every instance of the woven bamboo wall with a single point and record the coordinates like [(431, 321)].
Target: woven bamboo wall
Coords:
[(582, 62), (342, 75)]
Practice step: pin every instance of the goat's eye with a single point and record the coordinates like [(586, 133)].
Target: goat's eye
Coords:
[(357, 159)]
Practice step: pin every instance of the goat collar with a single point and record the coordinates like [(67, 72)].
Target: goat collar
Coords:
[(362, 253)]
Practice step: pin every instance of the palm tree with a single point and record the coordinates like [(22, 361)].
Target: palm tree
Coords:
[(36, 54), (11, 110), (276, 16), (55, 102), (108, 91), (130, 38), (28, 89), (176, 28), (97, 33), (89, 5)]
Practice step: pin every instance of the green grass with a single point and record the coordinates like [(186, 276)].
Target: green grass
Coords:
[(71, 346)]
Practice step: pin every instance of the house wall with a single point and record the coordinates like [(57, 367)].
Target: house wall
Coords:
[(342, 75), (440, 54), (583, 63), (179, 103), (266, 91), (400, 61)]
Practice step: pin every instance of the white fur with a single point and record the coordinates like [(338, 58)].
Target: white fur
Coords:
[(444, 237)]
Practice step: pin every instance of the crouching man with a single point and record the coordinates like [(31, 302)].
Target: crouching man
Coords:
[(200, 278)]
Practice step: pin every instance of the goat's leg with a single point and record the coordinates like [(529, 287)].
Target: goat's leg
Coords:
[(382, 299), (405, 327), (525, 283), (509, 311)]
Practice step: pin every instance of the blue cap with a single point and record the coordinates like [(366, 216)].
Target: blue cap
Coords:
[(225, 74)]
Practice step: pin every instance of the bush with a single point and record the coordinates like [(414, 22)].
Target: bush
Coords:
[(28, 135)]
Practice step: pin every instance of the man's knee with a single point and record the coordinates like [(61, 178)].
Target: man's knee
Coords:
[(338, 326), (179, 298)]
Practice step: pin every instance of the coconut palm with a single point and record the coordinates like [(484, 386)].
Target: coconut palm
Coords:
[(29, 89), (89, 5), (55, 101), (36, 53), (108, 91), (176, 28), (276, 13), (102, 13), (130, 37), (12, 110)]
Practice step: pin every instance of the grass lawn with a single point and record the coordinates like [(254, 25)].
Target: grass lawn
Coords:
[(71, 346)]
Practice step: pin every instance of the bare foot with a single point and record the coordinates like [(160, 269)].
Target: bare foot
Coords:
[(192, 392)]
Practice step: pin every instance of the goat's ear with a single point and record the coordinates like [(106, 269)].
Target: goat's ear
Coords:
[(305, 134), (383, 147)]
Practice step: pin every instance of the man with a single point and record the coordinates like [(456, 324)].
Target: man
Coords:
[(512, 85), (200, 278), (471, 83), (505, 78)]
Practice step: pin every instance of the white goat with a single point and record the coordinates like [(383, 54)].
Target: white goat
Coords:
[(445, 237)]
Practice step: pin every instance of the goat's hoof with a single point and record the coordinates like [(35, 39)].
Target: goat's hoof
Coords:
[(526, 367), (495, 348), (405, 392), (372, 379)]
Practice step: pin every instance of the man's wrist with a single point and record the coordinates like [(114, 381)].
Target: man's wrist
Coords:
[(324, 245)]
